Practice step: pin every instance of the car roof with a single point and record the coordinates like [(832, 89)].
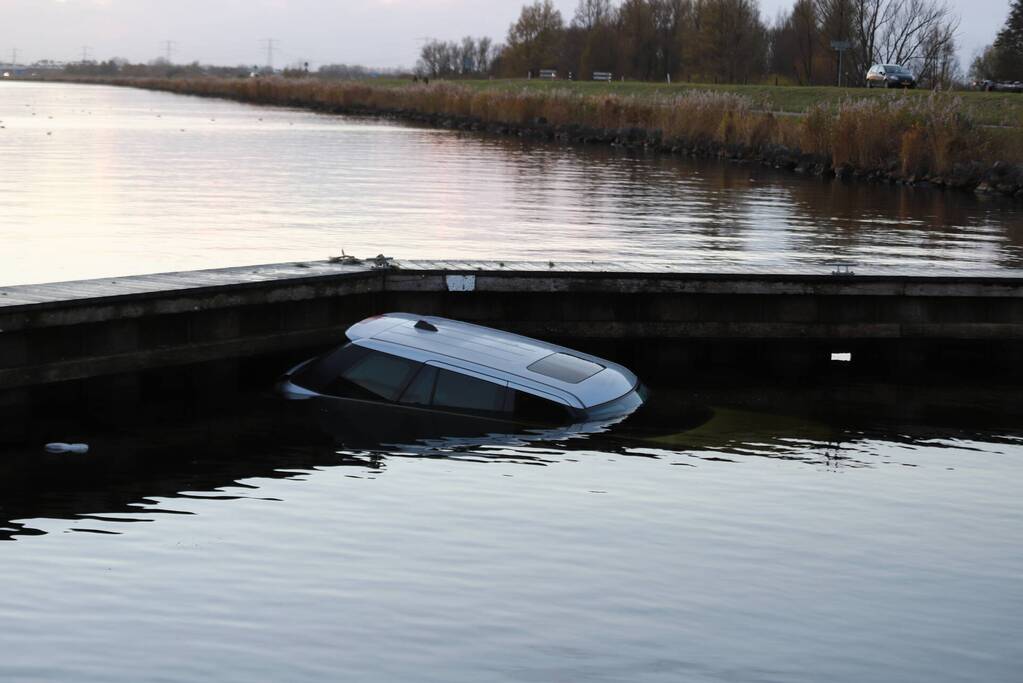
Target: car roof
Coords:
[(548, 370)]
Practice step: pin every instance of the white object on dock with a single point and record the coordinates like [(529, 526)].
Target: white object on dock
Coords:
[(460, 283)]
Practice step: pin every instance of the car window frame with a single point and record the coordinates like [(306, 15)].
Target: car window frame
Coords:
[(571, 413), (401, 388), (504, 412)]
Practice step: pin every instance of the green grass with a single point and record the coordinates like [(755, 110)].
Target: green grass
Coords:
[(986, 108)]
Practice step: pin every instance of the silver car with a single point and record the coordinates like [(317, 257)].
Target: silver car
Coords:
[(425, 363)]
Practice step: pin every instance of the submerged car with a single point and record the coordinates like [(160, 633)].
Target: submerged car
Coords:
[(417, 363), (890, 76)]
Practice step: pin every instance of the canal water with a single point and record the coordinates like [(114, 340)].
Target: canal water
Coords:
[(753, 532), (762, 533), (101, 181)]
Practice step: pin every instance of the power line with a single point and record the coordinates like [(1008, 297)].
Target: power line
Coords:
[(168, 47), (270, 44)]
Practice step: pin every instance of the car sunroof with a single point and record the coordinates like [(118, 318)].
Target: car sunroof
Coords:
[(566, 367)]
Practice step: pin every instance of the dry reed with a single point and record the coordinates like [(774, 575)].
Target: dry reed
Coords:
[(895, 135)]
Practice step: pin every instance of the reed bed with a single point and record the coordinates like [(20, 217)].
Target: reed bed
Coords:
[(905, 137)]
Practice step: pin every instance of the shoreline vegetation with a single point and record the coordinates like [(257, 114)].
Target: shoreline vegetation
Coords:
[(927, 139)]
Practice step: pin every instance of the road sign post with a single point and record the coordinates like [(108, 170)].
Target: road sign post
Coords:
[(840, 46)]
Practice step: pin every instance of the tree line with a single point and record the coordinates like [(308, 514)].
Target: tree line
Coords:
[(1003, 59), (726, 41)]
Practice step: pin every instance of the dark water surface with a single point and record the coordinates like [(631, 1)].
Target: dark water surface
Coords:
[(99, 181), (839, 533)]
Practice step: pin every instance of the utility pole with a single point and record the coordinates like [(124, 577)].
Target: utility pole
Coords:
[(85, 53), (14, 56), (270, 45), (168, 48)]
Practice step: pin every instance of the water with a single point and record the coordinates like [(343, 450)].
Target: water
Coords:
[(99, 181), (843, 532)]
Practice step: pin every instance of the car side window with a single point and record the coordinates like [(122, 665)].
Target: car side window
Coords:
[(380, 374), (463, 392), (420, 389), (527, 407)]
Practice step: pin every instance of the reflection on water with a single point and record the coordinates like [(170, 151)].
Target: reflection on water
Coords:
[(720, 536), (133, 181)]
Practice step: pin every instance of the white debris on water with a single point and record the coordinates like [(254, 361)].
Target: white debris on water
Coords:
[(58, 447)]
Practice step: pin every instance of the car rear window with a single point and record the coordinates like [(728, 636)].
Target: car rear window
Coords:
[(325, 370), (566, 368), (382, 374)]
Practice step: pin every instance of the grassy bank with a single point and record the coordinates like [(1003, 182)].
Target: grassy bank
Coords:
[(984, 108), (895, 135)]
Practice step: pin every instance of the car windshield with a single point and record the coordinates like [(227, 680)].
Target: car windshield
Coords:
[(896, 69)]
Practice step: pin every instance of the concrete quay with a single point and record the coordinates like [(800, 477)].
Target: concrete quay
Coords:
[(667, 315)]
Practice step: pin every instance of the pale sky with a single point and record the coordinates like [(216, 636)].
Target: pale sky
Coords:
[(382, 33)]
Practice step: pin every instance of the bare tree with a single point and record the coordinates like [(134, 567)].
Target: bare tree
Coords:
[(472, 56), (592, 13), (484, 54), (908, 32), (940, 64)]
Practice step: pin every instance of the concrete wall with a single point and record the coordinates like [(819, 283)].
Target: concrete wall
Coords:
[(678, 322)]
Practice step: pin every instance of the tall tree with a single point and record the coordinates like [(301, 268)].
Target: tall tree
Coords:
[(836, 19), (796, 42), (806, 33), (730, 41), (1009, 46), (670, 19), (985, 65), (533, 40), (637, 40), (594, 37)]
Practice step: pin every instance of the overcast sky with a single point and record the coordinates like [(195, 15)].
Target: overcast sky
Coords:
[(370, 32)]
